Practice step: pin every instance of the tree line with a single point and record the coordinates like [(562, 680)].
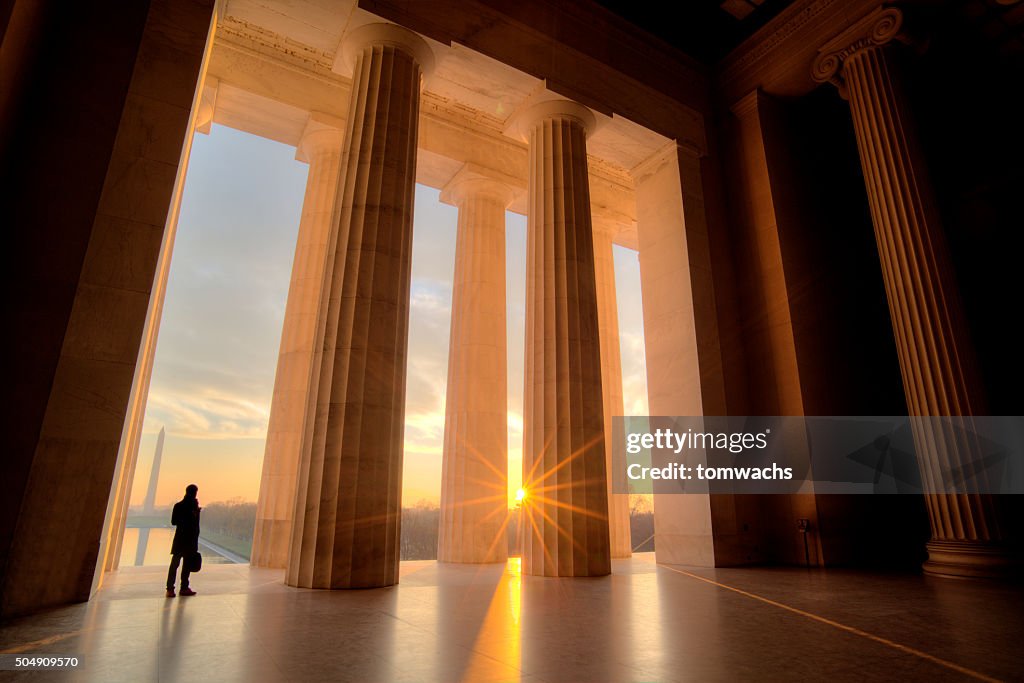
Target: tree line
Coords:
[(237, 518)]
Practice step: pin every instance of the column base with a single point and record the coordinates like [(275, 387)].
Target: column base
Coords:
[(972, 560), (344, 586)]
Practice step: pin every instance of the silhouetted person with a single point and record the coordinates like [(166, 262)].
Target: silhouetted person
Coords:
[(185, 518)]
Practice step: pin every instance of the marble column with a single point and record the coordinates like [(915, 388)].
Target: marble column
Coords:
[(474, 479), (320, 147), (565, 512), (682, 343), (611, 379), (940, 375), (348, 505)]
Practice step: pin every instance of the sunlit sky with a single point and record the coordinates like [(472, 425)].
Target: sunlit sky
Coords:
[(216, 356)]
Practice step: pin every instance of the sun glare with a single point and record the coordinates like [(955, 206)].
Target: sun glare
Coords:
[(520, 495)]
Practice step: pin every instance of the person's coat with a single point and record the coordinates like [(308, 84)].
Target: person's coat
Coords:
[(185, 518)]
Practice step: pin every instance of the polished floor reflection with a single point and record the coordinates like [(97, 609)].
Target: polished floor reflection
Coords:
[(488, 623)]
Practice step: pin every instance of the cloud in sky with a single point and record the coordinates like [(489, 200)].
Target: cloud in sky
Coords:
[(217, 351), (216, 355)]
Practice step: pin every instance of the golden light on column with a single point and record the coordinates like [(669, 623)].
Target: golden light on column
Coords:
[(346, 530), (565, 532), (321, 148), (474, 479), (546, 512), (605, 228)]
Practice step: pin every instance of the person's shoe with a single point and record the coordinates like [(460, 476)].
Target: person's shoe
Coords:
[(187, 591), (170, 592)]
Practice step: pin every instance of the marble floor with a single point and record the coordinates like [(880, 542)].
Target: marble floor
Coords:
[(487, 623)]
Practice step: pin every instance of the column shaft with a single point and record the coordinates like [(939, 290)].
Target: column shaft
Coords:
[(566, 508), (932, 340), (685, 366), (321, 148), (474, 481), (611, 382), (347, 513), (939, 373)]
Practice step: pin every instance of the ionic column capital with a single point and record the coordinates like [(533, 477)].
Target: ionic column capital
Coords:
[(391, 35), (321, 131), (876, 29), (472, 180)]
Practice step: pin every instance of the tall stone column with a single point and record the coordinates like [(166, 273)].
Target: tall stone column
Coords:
[(348, 505), (565, 513), (474, 479), (682, 343), (611, 379), (939, 371), (320, 147)]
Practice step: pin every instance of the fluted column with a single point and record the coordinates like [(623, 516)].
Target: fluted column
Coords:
[(939, 370), (565, 513), (320, 147), (348, 506), (474, 479), (611, 380)]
